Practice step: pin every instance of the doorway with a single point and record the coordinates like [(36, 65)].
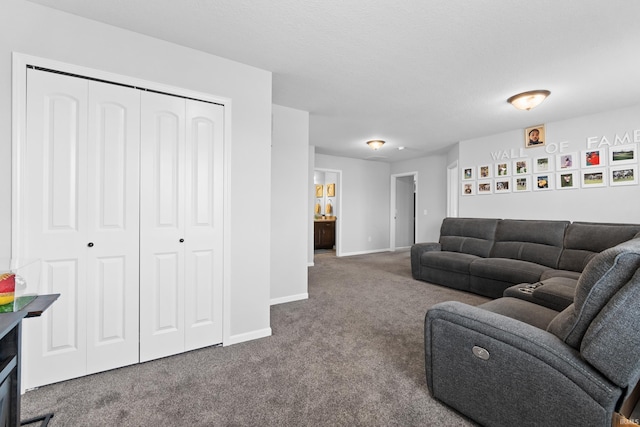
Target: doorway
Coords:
[(403, 210), (327, 208)]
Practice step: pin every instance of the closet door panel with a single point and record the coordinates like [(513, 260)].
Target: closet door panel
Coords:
[(54, 225), (113, 226), (203, 224), (162, 226)]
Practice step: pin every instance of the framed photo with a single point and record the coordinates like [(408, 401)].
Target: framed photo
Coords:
[(592, 178), (543, 164), (593, 158), (484, 187), (319, 190), (567, 161), (521, 167), (331, 190), (521, 183), (543, 182), (502, 169), (534, 136), (468, 188), (623, 154), (502, 185), (567, 180), (623, 175), (467, 174), (484, 171)]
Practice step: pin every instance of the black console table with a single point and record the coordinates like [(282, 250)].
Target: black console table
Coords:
[(10, 355)]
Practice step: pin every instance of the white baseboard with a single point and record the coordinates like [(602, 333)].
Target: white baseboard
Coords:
[(365, 252), (290, 298), (247, 336)]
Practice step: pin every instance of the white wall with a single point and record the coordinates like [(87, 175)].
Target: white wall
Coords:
[(605, 204), (363, 219), (289, 204), (43, 32), (431, 193)]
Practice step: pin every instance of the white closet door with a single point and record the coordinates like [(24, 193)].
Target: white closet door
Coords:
[(112, 226), (55, 226), (162, 226), (203, 224)]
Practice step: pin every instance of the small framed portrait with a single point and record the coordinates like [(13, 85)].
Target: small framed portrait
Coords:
[(319, 190), (543, 182), (534, 136), (521, 167), (502, 169), (593, 158), (331, 190), (484, 171), (467, 174), (484, 187), (502, 185), (623, 154), (543, 164), (593, 178), (567, 161), (521, 183), (468, 188), (623, 175), (567, 180)]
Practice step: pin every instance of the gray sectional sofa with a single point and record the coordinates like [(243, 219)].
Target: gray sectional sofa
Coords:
[(536, 260)]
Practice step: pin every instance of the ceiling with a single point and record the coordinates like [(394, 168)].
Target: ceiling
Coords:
[(420, 74)]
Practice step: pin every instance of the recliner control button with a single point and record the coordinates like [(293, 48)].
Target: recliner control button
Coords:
[(480, 353)]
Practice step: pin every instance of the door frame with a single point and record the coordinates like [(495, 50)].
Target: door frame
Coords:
[(392, 208), (338, 209), (20, 62), (453, 183)]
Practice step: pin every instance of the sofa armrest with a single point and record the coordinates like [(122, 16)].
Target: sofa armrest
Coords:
[(416, 252), (476, 359)]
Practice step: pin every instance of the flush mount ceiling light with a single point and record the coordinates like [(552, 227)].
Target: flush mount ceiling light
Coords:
[(528, 100), (375, 143)]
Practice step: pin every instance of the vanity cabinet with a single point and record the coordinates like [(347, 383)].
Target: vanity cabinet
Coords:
[(324, 235)]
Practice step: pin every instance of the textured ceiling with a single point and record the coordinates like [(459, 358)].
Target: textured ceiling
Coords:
[(422, 74)]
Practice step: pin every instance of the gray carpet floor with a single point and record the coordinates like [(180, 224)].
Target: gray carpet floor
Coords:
[(350, 355)]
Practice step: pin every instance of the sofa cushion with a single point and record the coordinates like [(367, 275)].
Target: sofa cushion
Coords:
[(468, 235), (450, 261), (536, 241), (605, 275), (583, 240), (507, 270), (519, 309)]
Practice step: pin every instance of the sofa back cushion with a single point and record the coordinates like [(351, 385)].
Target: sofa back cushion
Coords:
[(583, 240), (607, 273), (472, 236), (537, 241)]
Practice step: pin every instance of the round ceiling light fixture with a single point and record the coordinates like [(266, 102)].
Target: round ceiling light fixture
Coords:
[(528, 100), (375, 143)]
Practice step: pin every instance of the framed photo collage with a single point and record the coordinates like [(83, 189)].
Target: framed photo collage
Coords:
[(593, 168)]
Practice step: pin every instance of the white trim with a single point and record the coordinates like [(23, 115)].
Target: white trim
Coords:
[(453, 188), (375, 251), (338, 212), (392, 207), (290, 298), (18, 113), (248, 336)]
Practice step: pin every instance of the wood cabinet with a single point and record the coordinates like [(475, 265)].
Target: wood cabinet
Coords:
[(324, 234)]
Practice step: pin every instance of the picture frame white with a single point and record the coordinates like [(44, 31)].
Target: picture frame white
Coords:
[(623, 175), (502, 185), (567, 180), (485, 186), (468, 173), (594, 158), (543, 182), (468, 188), (502, 169), (593, 177), (521, 183), (566, 161), (543, 164), (521, 167), (485, 171), (623, 154)]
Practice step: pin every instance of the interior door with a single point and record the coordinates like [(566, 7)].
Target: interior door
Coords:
[(162, 233), (203, 224)]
